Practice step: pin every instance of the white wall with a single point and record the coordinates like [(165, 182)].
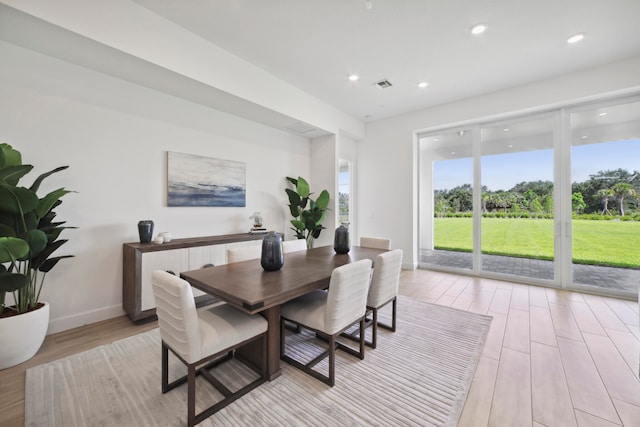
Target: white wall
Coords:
[(387, 159), (115, 136), (324, 167)]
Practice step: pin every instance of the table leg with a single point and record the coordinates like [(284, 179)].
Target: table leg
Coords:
[(273, 342)]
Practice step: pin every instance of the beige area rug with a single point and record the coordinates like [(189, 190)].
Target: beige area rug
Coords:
[(419, 375)]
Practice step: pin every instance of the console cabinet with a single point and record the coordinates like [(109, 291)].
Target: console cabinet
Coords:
[(140, 259)]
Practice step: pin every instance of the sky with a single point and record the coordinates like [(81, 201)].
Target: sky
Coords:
[(502, 172)]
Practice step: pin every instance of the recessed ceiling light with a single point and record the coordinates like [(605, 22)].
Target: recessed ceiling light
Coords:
[(478, 29), (575, 38), (510, 146), (604, 113), (422, 85), (354, 77), (584, 137), (506, 129)]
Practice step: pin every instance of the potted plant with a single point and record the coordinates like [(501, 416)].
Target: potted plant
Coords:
[(28, 238), (308, 214)]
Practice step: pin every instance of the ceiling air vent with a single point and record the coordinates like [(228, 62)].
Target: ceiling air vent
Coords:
[(383, 84)]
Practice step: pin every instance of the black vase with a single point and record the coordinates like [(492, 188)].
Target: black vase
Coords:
[(272, 258), (341, 243), (145, 230)]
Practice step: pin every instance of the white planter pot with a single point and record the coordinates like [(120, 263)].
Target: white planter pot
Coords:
[(21, 336)]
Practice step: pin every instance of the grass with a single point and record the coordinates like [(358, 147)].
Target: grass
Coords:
[(608, 243)]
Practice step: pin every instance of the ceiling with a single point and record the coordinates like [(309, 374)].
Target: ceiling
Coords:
[(316, 45)]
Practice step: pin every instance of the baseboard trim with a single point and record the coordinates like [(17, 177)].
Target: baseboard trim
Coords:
[(80, 319)]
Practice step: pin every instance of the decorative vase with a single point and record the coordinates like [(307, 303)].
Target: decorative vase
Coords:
[(145, 230), (341, 243), (272, 258), (21, 336)]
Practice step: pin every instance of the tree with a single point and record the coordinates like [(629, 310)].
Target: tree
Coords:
[(620, 191), (461, 198), (486, 200), (577, 202), (548, 204), (605, 194)]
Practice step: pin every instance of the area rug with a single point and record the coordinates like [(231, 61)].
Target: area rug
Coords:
[(419, 375)]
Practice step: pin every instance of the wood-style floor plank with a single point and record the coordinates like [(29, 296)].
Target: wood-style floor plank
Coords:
[(619, 380), (512, 396), (588, 392), (516, 334), (550, 393), (541, 326), (478, 405)]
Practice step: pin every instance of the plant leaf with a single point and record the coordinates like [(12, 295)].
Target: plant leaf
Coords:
[(37, 241), (42, 257), (48, 202), (12, 174), (292, 180), (36, 184), (299, 225), (323, 199), (17, 200), (11, 282), (302, 187), (12, 248), (51, 262), (9, 156)]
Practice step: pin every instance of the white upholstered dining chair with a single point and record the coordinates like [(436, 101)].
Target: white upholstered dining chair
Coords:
[(385, 279), (244, 253), (203, 339), (294, 245), (384, 290), (375, 242), (328, 314)]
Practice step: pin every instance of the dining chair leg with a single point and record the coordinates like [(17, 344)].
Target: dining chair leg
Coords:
[(391, 327), (362, 338), (332, 360), (374, 328), (191, 395), (165, 369), (393, 318)]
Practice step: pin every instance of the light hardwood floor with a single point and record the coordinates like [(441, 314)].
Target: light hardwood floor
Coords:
[(552, 358)]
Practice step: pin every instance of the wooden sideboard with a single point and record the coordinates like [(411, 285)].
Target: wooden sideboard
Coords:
[(140, 259)]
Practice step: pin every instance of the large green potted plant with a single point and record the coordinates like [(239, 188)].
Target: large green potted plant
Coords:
[(308, 214), (28, 237)]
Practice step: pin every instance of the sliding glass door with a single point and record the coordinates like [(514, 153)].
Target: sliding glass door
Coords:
[(517, 178), (447, 194), (605, 166), (550, 199)]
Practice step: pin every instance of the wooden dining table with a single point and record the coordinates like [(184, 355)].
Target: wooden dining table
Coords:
[(247, 286)]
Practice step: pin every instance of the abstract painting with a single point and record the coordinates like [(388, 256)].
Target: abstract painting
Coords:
[(204, 181)]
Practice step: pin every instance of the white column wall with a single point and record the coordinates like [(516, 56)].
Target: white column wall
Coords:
[(324, 170)]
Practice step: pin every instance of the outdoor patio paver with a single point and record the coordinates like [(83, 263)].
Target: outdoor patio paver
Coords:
[(603, 277)]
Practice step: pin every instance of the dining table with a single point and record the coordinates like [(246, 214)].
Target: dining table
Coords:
[(250, 288)]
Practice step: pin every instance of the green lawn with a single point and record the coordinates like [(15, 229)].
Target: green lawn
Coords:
[(613, 243)]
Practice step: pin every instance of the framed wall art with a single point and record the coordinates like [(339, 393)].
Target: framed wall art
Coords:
[(204, 181)]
